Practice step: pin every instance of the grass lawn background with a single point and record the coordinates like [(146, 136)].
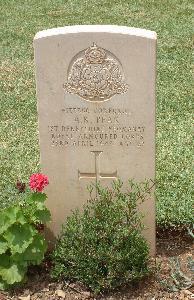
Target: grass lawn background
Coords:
[(172, 20)]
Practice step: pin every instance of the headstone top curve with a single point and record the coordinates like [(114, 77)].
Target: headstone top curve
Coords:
[(96, 28)]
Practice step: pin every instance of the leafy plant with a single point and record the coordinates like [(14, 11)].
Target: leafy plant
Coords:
[(21, 243), (102, 246)]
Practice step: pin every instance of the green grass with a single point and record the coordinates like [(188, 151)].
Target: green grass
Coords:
[(171, 19)]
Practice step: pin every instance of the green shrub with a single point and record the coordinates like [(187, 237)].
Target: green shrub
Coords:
[(21, 243), (102, 246)]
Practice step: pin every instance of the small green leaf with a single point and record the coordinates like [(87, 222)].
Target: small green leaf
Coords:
[(12, 273), (35, 252), (4, 222), (4, 261), (37, 197), (18, 258), (43, 215), (15, 214), (19, 237), (40, 206), (3, 284), (3, 245), (9, 216)]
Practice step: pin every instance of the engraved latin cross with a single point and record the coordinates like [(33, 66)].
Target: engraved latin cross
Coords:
[(97, 173)]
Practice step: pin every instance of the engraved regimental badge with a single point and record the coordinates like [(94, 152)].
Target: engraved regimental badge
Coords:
[(95, 75)]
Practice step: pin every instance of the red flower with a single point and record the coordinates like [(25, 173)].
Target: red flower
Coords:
[(38, 182)]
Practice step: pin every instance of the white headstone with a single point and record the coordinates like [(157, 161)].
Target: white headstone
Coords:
[(96, 107)]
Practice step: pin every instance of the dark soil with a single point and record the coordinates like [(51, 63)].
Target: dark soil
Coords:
[(168, 280)]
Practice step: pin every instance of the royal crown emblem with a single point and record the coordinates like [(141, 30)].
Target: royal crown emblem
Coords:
[(95, 75)]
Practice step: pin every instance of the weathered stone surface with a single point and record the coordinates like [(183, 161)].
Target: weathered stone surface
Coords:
[(96, 106)]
